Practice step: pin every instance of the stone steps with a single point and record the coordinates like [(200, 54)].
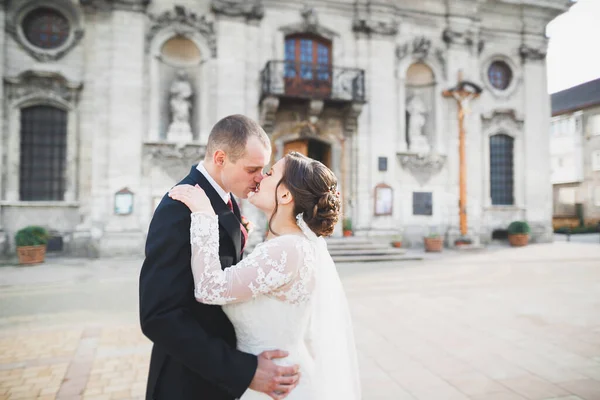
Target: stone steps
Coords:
[(358, 249)]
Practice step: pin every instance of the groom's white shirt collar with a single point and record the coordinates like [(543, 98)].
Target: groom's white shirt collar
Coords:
[(224, 195)]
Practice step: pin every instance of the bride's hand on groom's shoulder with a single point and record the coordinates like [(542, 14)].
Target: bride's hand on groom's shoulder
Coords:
[(193, 197)]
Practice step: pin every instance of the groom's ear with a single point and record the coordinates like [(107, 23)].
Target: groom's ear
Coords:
[(219, 157)]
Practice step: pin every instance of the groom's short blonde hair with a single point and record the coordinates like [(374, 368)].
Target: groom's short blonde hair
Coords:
[(231, 134)]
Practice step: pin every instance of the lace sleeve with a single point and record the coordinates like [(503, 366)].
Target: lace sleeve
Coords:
[(273, 267)]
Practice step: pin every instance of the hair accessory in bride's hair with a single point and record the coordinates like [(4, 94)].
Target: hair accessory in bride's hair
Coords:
[(333, 190)]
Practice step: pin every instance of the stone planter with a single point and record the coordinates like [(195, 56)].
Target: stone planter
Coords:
[(433, 244), (31, 254), (518, 240)]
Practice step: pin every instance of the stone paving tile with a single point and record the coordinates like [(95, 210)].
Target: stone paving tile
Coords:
[(587, 389), (534, 388), (521, 325)]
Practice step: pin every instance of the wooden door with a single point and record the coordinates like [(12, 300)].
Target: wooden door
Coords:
[(300, 146)]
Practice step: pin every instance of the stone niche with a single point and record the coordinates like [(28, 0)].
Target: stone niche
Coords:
[(179, 69)]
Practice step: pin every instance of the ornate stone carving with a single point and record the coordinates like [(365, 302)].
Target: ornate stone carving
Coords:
[(309, 24), (37, 85), (75, 34), (268, 108), (314, 110), (422, 166), (530, 54), (250, 9), (460, 38), (420, 48), (351, 114), (310, 17), (502, 118), (369, 27), (184, 22), (173, 159), (439, 55)]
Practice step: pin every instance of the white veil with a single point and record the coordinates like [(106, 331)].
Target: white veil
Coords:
[(332, 336)]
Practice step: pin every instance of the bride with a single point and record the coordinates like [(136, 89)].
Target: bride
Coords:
[(286, 294)]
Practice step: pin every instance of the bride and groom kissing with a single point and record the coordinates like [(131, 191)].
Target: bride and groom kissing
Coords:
[(274, 324)]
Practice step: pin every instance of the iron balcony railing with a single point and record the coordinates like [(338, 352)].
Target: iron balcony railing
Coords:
[(312, 81)]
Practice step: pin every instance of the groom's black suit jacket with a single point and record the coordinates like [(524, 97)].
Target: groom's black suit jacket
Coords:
[(194, 355)]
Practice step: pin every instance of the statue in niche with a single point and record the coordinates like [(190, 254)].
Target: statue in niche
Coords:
[(416, 123), (181, 105)]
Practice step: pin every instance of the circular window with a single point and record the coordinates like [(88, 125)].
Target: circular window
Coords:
[(46, 28), (500, 75)]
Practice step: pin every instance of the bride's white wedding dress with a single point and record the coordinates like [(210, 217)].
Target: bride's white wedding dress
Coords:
[(286, 295)]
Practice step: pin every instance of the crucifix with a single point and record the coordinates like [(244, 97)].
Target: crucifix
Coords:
[(463, 93)]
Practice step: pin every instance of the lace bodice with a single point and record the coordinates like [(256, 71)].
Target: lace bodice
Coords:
[(282, 267)]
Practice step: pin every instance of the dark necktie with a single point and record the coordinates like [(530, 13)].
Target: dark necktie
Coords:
[(244, 231)]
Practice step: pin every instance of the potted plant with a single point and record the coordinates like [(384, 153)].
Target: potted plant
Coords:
[(463, 241), (518, 233), (347, 227), (433, 242), (31, 244), (397, 240)]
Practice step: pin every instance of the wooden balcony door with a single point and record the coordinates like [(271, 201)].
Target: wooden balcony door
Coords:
[(307, 66)]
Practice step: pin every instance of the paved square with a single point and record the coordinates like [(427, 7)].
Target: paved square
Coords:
[(501, 324)]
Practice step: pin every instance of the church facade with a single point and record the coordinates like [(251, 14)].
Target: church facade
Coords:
[(108, 103)]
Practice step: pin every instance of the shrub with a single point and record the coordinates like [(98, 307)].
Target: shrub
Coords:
[(518, 228), (577, 229), (31, 236)]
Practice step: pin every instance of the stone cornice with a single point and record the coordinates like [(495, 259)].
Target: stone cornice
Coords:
[(126, 5)]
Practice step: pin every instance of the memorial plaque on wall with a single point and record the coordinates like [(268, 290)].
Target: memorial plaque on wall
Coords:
[(383, 163), (422, 203), (384, 199)]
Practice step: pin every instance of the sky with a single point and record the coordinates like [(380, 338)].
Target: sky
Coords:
[(573, 51)]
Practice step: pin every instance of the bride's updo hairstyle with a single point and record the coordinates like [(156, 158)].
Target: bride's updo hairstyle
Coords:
[(314, 188)]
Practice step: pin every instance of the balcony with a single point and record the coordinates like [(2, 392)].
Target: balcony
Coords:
[(312, 81)]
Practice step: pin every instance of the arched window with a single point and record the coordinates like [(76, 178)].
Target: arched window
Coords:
[(307, 66), (43, 153), (502, 169)]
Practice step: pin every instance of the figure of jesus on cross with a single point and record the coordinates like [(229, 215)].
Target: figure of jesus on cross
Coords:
[(463, 93)]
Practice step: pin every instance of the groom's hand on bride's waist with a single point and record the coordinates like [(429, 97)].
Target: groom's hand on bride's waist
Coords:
[(274, 380)]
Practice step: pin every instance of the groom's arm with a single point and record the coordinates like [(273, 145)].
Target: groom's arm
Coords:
[(165, 290)]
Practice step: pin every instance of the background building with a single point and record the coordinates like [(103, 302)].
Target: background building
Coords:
[(107, 103), (575, 153)]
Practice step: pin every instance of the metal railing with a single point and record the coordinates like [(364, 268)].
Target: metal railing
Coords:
[(312, 81)]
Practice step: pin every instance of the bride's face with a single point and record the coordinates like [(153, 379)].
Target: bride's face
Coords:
[(263, 197)]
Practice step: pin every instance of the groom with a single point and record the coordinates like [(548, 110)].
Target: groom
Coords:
[(194, 356)]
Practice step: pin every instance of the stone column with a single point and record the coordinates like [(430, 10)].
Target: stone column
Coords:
[(536, 148), (230, 94), (120, 149)]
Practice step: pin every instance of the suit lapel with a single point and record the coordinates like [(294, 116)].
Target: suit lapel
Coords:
[(228, 220)]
